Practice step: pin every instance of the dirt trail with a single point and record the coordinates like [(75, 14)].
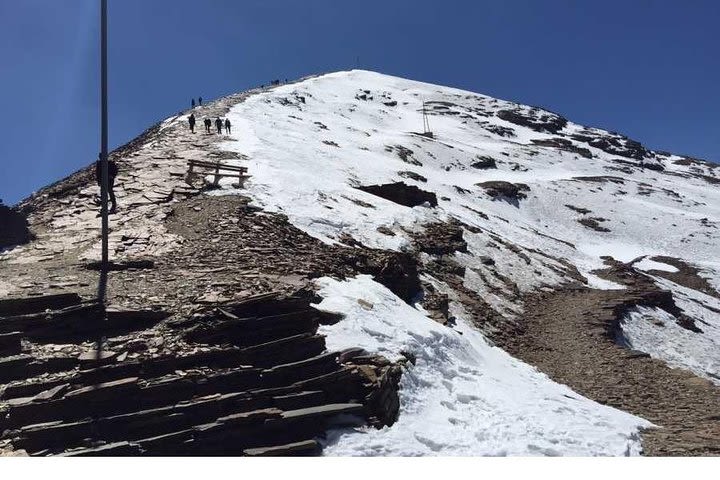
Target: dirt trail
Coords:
[(567, 334)]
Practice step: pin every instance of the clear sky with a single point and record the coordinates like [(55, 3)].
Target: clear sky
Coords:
[(648, 69)]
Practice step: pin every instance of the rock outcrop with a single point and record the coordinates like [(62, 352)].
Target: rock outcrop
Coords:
[(402, 193), (252, 378), (14, 229)]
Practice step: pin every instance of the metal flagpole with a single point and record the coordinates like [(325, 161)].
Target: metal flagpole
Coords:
[(103, 151)]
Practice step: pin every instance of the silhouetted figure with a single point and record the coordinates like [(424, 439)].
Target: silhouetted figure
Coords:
[(227, 126), (192, 103), (112, 173), (191, 120), (208, 124), (200, 101), (219, 125)]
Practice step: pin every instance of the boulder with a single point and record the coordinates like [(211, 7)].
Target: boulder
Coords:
[(402, 194)]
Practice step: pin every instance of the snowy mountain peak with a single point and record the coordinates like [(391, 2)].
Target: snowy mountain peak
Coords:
[(577, 250)]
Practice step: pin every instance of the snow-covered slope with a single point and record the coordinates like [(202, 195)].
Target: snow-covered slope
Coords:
[(463, 396), (311, 143), (573, 196)]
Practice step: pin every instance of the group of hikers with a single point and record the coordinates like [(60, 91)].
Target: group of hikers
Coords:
[(219, 123), (208, 124), (113, 168)]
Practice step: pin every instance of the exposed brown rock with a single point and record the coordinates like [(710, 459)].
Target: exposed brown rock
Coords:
[(501, 190), (563, 144), (484, 163), (593, 223), (401, 193), (534, 118)]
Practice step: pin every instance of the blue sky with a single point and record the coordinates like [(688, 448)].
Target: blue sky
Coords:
[(648, 69)]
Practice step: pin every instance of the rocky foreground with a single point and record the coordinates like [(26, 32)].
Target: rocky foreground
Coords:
[(209, 350)]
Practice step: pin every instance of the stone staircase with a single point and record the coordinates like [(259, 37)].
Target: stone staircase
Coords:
[(252, 378)]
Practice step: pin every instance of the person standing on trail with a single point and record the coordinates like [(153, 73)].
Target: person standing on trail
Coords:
[(192, 103), (191, 120), (208, 123), (227, 126), (219, 125), (200, 101), (112, 173)]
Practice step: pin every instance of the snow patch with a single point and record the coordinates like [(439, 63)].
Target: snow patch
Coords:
[(624, 252), (656, 332), (463, 396), (646, 264), (594, 281)]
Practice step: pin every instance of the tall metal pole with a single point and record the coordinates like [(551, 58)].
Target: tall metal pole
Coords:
[(103, 151)]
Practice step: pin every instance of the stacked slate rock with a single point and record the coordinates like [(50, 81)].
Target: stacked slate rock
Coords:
[(253, 379)]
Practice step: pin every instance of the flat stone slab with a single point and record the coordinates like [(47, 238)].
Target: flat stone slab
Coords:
[(51, 434), (307, 447), (51, 393), (116, 385), (248, 418), (295, 401), (111, 449), (95, 356), (26, 305), (325, 411)]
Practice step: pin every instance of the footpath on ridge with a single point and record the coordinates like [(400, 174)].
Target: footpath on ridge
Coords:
[(209, 344), (569, 334)]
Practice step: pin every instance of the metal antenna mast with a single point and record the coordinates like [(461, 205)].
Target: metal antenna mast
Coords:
[(426, 121)]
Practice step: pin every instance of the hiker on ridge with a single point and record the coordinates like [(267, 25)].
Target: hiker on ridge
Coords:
[(227, 126), (200, 101), (112, 173), (191, 120), (208, 123), (192, 103), (219, 125)]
